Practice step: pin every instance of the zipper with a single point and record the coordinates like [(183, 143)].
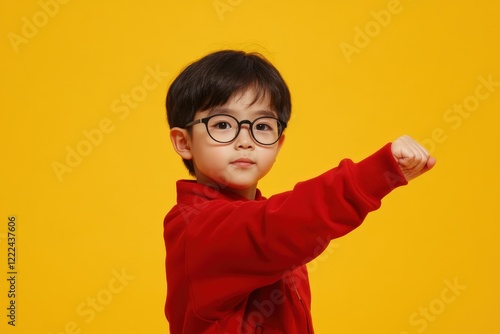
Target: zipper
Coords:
[(292, 279)]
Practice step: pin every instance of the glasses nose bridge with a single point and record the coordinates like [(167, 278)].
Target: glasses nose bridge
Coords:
[(240, 126), (245, 121)]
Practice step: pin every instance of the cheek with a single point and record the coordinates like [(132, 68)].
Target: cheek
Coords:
[(269, 157), (208, 156)]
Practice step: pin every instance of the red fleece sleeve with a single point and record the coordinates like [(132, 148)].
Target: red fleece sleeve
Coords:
[(234, 247)]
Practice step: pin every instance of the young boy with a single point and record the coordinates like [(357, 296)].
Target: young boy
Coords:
[(236, 260)]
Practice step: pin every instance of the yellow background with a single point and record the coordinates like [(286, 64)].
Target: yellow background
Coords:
[(89, 239)]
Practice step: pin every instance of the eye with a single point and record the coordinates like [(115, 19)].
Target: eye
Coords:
[(221, 125), (266, 125), (263, 127)]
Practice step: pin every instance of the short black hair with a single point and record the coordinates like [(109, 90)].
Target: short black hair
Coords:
[(212, 80)]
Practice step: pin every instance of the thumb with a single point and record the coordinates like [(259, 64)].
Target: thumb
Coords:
[(429, 165)]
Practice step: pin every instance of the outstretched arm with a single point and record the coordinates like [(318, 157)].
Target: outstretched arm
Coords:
[(413, 158)]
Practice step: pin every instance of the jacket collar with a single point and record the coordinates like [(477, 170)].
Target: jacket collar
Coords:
[(189, 189)]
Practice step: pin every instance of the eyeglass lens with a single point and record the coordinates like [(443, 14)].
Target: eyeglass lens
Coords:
[(224, 128)]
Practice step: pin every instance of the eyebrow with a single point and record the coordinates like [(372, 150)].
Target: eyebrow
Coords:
[(222, 110)]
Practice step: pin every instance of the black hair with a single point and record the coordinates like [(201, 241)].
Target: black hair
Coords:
[(212, 80)]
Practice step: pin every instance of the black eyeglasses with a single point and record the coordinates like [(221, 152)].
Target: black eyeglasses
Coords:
[(225, 128)]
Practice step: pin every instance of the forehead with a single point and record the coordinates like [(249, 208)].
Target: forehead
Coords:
[(246, 103)]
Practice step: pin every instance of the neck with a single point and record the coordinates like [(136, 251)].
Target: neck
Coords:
[(248, 193)]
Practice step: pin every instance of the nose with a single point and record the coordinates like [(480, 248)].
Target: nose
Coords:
[(244, 139)]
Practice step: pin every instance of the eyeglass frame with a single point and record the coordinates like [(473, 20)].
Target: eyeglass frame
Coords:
[(205, 121)]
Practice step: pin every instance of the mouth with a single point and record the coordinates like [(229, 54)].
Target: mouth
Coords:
[(242, 162)]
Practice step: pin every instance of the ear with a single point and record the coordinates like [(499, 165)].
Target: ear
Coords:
[(281, 141), (181, 142)]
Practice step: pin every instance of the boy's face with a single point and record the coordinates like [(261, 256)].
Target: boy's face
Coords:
[(241, 163)]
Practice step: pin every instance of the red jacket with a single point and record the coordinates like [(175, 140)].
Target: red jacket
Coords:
[(237, 266)]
